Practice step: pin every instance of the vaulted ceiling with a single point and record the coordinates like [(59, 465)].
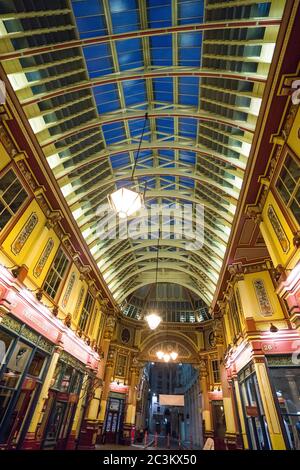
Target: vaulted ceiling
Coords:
[(87, 71)]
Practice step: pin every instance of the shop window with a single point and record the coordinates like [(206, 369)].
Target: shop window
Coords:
[(5, 343), (76, 382), (86, 311), (256, 424), (12, 196), (16, 365), (66, 379), (216, 371), (56, 273), (286, 383), (288, 185), (37, 364)]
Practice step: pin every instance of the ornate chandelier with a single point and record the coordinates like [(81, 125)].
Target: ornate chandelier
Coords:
[(167, 355)]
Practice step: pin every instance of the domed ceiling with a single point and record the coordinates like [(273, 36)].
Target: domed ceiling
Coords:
[(87, 71)]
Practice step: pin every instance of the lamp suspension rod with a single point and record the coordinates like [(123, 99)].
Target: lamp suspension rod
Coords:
[(139, 147), (157, 258)]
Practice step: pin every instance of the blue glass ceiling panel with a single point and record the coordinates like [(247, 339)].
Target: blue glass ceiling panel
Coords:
[(98, 60), (190, 11), (187, 182), (166, 180), (159, 13), (89, 18), (188, 127), (164, 126), (161, 50), (120, 160), (189, 51), (107, 98), (189, 91), (136, 127), (113, 133), (130, 54), (187, 157), (134, 92), (163, 89), (124, 15)]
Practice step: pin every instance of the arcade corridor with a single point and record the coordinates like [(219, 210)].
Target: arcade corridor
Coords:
[(149, 224)]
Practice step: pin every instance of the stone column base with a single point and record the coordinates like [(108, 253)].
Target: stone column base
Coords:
[(88, 435)]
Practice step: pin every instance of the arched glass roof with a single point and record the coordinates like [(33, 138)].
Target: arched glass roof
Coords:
[(87, 71)]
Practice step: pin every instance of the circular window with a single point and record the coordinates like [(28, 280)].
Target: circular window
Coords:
[(125, 336)]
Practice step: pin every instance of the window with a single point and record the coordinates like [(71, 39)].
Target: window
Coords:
[(86, 310), (56, 273), (12, 196), (216, 371), (288, 185)]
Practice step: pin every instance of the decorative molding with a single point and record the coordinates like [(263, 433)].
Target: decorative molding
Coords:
[(24, 234), (68, 291), (278, 229), (263, 298), (37, 271), (79, 301)]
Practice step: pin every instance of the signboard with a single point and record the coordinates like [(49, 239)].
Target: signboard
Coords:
[(171, 400)]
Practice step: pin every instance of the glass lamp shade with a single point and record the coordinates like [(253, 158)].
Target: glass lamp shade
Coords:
[(167, 357), (160, 354), (153, 320), (174, 355), (125, 202)]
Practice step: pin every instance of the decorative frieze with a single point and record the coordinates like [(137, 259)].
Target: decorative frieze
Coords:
[(263, 298), (24, 234), (278, 229), (37, 271)]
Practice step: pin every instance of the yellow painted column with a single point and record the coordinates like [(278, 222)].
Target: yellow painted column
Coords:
[(38, 412), (131, 403), (206, 411), (272, 418), (106, 388)]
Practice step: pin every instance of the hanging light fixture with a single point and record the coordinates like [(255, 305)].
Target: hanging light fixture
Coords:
[(167, 355), (126, 202), (153, 319)]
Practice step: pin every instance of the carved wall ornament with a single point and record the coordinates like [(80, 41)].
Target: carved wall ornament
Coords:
[(79, 302), (69, 288), (263, 298), (278, 229), (24, 234), (37, 271)]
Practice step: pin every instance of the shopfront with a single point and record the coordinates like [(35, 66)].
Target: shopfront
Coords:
[(255, 420), (24, 358), (60, 407), (284, 373)]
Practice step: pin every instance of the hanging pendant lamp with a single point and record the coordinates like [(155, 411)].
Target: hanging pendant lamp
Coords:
[(126, 202)]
